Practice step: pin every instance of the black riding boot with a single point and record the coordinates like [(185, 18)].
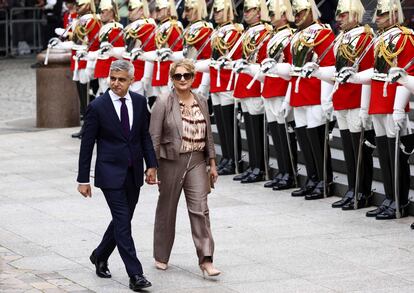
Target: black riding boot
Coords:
[(311, 172), (228, 121), (250, 146), (350, 161), (257, 137), (277, 142), (218, 116), (288, 180), (385, 165)]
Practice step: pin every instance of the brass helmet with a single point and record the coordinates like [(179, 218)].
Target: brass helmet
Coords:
[(199, 5), (109, 5), (278, 7), (226, 6), (299, 5), (84, 2), (169, 4), (354, 7), (134, 4), (391, 6), (261, 4)]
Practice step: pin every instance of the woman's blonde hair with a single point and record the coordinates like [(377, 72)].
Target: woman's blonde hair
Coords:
[(186, 63)]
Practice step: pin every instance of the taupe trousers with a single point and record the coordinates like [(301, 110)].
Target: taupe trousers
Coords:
[(175, 177)]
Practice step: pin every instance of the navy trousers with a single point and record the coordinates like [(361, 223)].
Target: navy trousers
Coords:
[(122, 204)]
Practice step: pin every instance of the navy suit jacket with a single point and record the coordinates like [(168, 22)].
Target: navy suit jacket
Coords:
[(114, 148)]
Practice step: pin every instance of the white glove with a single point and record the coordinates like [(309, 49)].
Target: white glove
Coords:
[(363, 116), (135, 53), (327, 109), (202, 66), (223, 62), (61, 32), (267, 64), (285, 109), (105, 47), (239, 65), (164, 54), (81, 54), (396, 74), (53, 42), (308, 69), (400, 118), (345, 73)]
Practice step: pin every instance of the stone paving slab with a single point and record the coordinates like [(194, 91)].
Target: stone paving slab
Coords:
[(266, 241)]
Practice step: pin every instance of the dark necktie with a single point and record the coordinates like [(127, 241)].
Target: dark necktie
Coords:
[(124, 117)]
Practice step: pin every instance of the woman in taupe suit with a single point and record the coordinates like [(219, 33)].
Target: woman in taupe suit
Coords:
[(181, 133)]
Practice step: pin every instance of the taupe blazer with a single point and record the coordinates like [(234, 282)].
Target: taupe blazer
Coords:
[(166, 127)]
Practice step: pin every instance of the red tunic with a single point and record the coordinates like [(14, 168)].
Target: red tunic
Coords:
[(380, 104), (348, 96), (309, 92), (94, 25), (241, 91), (204, 54)]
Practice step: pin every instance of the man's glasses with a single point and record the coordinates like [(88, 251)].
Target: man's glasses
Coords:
[(179, 76)]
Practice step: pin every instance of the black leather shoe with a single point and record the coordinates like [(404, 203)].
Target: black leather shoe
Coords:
[(387, 214), (256, 176), (318, 192), (309, 186), (377, 211), (274, 181), (102, 270), (412, 226), (77, 135), (348, 196), (138, 282), (363, 202), (228, 169), (286, 182), (243, 175)]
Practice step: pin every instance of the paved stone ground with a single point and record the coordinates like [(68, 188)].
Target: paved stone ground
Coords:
[(265, 241)]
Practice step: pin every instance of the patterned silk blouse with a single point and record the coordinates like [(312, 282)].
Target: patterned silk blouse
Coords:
[(194, 128)]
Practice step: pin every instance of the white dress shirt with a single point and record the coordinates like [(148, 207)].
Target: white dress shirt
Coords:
[(117, 105)]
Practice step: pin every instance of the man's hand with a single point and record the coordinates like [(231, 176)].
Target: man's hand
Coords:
[(396, 74), (267, 64), (85, 190), (151, 176), (308, 69), (345, 73)]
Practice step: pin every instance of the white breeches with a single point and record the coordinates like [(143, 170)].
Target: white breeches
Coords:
[(254, 106), (158, 90), (272, 109), (310, 116), (137, 87), (384, 125), (222, 98), (349, 119), (103, 85)]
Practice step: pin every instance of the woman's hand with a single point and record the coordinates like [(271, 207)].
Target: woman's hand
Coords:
[(213, 173)]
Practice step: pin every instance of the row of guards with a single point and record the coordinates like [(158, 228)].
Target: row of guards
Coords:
[(286, 73)]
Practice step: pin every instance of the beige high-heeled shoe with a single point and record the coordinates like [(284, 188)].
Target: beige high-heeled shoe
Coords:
[(207, 267), (161, 265)]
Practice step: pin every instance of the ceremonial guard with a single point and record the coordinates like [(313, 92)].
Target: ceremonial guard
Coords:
[(388, 106), (111, 42), (353, 48), (273, 93), (224, 38), (254, 42), (312, 42), (140, 36), (84, 39), (168, 38)]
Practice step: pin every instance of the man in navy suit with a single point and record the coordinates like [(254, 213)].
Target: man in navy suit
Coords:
[(118, 122)]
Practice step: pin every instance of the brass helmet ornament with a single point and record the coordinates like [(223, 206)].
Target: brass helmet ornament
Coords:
[(354, 7), (134, 4), (393, 7), (198, 5), (169, 4), (109, 5), (310, 5), (227, 7), (260, 4), (85, 2), (280, 7)]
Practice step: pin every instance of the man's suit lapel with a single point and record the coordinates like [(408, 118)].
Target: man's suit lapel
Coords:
[(110, 110)]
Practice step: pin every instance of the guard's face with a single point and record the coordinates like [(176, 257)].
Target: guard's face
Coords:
[(106, 15), (135, 14), (119, 82), (344, 21), (383, 21), (219, 16), (251, 15), (182, 79), (161, 13), (190, 14), (303, 18)]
